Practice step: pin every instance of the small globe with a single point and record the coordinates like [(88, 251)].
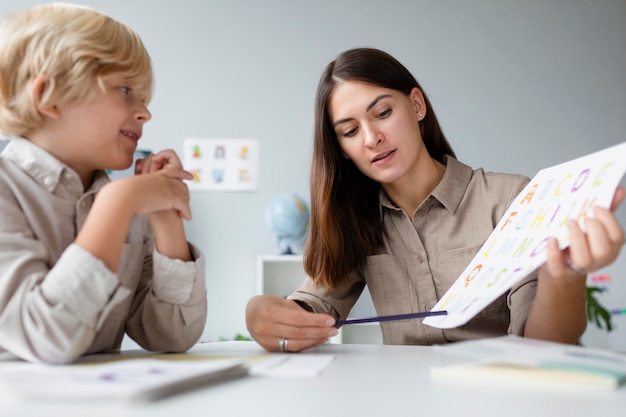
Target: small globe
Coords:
[(288, 218)]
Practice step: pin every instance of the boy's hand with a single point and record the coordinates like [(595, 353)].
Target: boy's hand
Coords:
[(168, 164), (156, 162), (158, 192)]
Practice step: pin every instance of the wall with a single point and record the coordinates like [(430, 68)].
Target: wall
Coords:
[(517, 86)]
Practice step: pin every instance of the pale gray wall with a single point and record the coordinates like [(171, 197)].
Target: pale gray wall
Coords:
[(518, 86)]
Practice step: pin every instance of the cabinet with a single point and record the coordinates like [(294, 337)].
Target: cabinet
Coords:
[(280, 275)]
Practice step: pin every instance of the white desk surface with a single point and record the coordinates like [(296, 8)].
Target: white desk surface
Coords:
[(362, 380)]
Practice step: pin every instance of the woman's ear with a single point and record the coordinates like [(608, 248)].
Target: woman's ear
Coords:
[(419, 103), (40, 84)]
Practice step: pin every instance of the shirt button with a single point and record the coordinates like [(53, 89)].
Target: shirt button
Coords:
[(420, 259), (421, 213), (48, 180)]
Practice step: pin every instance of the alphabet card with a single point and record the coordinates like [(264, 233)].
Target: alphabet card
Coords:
[(222, 164), (517, 246)]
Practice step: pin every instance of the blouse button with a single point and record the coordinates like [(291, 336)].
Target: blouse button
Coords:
[(421, 213), (420, 259), (48, 180)]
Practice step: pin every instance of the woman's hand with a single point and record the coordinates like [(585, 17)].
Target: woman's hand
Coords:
[(589, 251), (559, 310), (270, 318)]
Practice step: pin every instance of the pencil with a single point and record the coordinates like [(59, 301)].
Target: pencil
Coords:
[(394, 317)]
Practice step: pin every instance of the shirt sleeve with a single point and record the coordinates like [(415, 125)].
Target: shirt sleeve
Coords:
[(53, 319), (170, 305)]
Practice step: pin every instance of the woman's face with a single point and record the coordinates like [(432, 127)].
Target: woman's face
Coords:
[(378, 129)]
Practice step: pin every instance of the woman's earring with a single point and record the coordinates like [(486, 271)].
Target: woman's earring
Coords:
[(420, 115)]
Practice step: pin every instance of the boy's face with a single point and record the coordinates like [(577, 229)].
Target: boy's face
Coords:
[(104, 131)]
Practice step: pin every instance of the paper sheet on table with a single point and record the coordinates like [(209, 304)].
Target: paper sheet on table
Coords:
[(289, 366), (517, 246), (515, 361), (124, 379)]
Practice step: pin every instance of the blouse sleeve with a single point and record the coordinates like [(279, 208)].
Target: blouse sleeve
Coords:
[(336, 302)]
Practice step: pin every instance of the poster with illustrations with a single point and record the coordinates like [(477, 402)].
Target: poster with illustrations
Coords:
[(517, 246), (222, 164)]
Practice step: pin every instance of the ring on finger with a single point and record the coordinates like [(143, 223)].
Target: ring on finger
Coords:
[(575, 269), (282, 343)]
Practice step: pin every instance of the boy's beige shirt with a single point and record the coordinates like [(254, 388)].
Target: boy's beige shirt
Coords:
[(423, 256), (57, 301)]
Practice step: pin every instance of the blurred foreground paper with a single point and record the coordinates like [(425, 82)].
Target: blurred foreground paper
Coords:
[(512, 361), (127, 379), (517, 246)]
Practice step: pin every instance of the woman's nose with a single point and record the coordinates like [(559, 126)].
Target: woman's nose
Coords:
[(372, 137)]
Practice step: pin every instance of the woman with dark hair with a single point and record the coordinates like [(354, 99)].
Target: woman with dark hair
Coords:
[(392, 208)]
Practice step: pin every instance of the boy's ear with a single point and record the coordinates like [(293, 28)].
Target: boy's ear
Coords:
[(39, 86)]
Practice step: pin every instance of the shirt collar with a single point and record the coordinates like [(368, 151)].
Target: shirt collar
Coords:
[(450, 190), (48, 171)]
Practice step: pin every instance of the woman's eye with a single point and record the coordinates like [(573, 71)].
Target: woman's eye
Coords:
[(384, 113), (350, 133)]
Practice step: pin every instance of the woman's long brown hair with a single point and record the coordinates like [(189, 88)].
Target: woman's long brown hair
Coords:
[(346, 224)]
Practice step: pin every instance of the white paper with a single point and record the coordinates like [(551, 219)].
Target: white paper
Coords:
[(126, 379), (517, 246), (290, 366)]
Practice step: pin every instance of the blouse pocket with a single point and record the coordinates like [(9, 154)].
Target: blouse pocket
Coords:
[(451, 265), (388, 282)]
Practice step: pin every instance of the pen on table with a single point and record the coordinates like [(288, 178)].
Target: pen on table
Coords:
[(394, 317)]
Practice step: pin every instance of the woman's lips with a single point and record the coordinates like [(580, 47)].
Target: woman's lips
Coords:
[(382, 156)]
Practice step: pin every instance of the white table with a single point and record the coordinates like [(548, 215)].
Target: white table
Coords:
[(362, 380)]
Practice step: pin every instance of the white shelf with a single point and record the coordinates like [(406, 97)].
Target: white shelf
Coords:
[(280, 275)]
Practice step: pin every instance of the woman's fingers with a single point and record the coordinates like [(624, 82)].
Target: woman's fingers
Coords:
[(270, 319), (601, 242), (618, 198)]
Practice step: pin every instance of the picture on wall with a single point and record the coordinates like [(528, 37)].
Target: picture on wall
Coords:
[(222, 164)]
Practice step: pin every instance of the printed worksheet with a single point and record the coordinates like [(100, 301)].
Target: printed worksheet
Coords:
[(517, 246)]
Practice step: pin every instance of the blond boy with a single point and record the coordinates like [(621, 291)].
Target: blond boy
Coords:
[(83, 260)]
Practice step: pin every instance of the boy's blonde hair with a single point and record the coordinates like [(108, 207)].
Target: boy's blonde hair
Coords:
[(76, 47)]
